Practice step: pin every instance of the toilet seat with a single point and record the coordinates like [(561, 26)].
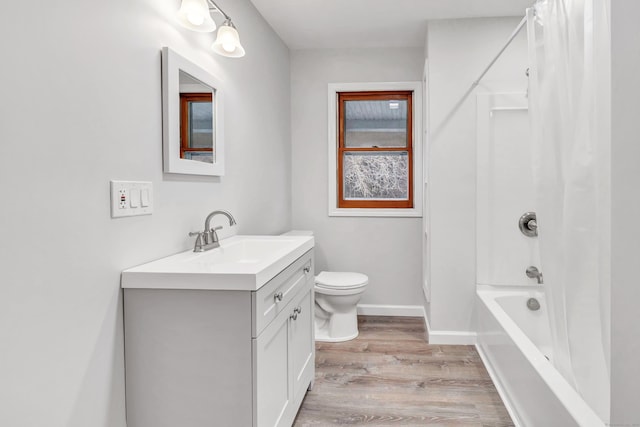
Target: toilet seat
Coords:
[(335, 280)]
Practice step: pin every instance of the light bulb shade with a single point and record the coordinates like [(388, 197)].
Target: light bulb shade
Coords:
[(228, 42), (194, 15)]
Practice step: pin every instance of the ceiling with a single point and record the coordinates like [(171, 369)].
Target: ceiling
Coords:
[(319, 24)]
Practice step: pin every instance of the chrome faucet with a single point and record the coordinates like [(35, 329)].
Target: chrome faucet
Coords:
[(534, 273), (208, 239)]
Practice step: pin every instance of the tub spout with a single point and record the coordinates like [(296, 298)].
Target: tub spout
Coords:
[(534, 273)]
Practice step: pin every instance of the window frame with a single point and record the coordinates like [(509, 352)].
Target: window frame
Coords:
[(185, 99), (342, 149), (334, 138)]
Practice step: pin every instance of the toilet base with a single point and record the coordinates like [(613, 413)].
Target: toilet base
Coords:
[(323, 337), (336, 327)]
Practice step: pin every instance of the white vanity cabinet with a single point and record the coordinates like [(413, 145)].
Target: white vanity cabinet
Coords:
[(284, 368), (197, 358)]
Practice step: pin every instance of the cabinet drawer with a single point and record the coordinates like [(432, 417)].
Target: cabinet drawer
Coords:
[(271, 298)]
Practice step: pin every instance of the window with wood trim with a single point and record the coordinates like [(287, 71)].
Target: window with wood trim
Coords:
[(196, 126), (375, 149)]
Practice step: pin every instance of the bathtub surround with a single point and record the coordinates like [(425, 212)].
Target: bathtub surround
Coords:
[(83, 107), (504, 192)]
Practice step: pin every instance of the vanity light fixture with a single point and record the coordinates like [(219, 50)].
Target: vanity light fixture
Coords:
[(195, 15)]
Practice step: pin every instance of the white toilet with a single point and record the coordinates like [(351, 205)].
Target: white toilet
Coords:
[(337, 294)]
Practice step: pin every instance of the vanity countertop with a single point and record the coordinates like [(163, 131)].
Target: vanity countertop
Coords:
[(243, 263)]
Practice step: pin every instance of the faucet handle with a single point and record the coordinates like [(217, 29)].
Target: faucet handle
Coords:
[(198, 245), (211, 235)]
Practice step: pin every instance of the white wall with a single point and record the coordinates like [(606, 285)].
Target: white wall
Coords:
[(625, 209), (458, 51), (80, 106), (388, 250)]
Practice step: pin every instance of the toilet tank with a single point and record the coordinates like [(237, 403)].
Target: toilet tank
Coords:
[(298, 233)]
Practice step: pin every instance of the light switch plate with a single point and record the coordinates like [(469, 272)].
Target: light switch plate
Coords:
[(121, 193)]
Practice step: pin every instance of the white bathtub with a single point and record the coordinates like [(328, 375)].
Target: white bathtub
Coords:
[(513, 342)]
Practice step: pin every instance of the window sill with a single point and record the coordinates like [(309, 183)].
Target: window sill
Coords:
[(390, 213)]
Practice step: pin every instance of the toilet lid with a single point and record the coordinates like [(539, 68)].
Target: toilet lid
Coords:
[(341, 280)]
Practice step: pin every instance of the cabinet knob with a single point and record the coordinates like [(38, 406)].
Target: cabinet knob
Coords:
[(277, 297), (297, 310), (306, 269), (294, 316)]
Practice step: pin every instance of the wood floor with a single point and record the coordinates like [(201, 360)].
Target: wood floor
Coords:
[(389, 376)]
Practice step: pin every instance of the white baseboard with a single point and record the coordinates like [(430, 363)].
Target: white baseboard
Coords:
[(435, 337), (391, 310), (449, 337)]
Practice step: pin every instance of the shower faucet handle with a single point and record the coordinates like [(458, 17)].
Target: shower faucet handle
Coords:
[(528, 224)]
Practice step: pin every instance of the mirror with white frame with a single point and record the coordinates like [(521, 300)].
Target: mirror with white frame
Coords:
[(192, 118)]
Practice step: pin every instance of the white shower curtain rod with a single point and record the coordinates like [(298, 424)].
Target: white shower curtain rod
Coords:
[(513, 36)]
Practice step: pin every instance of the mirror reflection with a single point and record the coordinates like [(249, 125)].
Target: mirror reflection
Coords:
[(197, 119)]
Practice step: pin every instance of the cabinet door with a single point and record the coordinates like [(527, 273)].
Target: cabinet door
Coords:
[(301, 344), (271, 356)]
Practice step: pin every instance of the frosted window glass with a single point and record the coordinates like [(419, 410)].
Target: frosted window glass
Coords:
[(376, 176)]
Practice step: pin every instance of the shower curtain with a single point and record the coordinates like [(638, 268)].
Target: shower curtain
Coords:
[(569, 82)]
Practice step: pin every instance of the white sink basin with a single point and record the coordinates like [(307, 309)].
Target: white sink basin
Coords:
[(245, 250), (240, 263)]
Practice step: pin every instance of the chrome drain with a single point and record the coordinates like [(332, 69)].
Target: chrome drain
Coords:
[(533, 304)]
